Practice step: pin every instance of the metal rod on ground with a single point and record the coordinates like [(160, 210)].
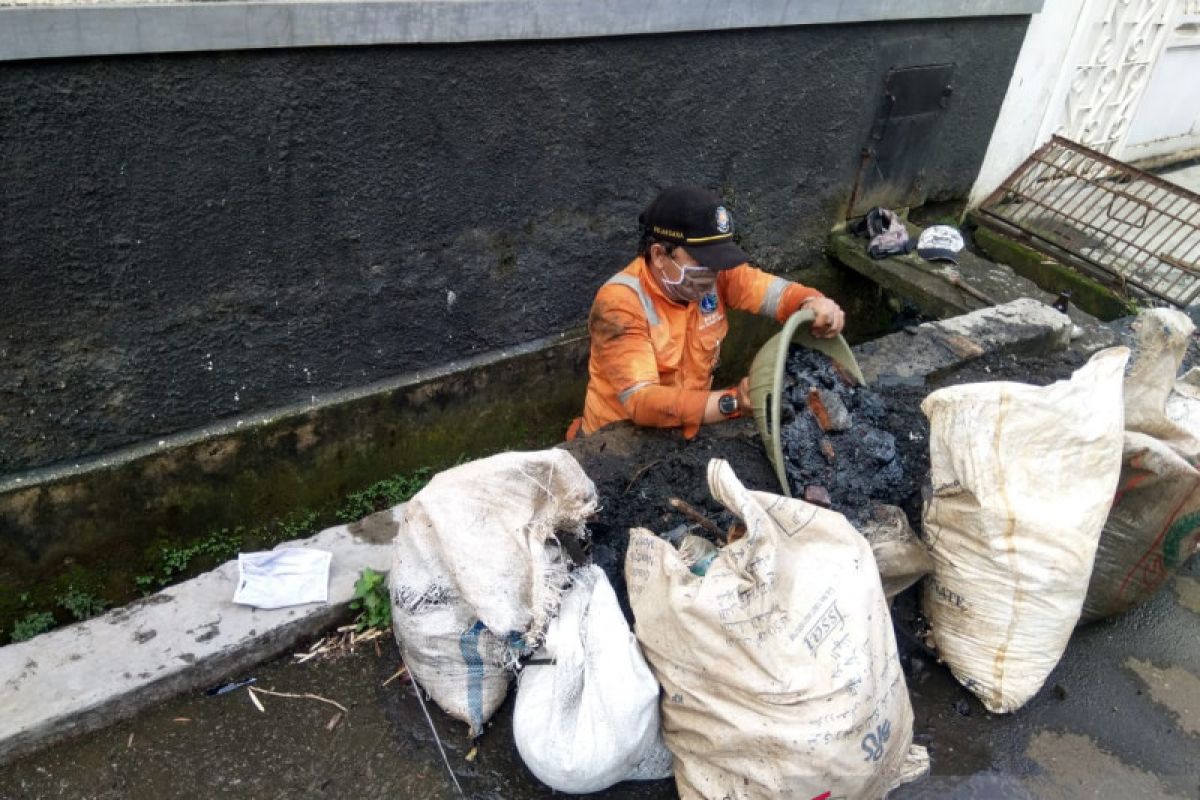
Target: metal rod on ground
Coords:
[(695, 516), (437, 739)]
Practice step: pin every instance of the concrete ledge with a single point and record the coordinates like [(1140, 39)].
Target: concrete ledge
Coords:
[(92, 674), (912, 356), (1090, 295), (932, 286), (57, 29)]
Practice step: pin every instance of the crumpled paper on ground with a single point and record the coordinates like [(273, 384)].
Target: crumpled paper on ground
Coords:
[(291, 576)]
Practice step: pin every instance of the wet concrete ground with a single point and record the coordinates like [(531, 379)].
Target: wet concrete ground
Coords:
[(1119, 717)]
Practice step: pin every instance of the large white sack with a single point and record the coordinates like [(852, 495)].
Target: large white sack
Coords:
[(779, 665), (477, 572), (1023, 478), (586, 715), (1154, 524)]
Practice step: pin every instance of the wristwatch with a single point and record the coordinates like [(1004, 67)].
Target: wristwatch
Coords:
[(728, 404)]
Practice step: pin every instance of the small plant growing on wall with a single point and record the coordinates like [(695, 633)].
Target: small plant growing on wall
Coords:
[(80, 604), (31, 625), (383, 494)]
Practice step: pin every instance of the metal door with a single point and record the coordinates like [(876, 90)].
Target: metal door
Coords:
[(903, 135)]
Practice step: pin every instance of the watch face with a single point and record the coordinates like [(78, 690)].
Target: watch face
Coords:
[(727, 404)]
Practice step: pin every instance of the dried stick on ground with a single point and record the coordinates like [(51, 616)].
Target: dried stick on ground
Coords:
[(403, 669), (695, 516), (256, 691), (642, 471)]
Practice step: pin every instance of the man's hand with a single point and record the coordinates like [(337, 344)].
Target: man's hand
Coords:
[(745, 404), (829, 317)]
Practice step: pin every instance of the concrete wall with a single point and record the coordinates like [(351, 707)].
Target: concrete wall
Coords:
[(189, 238), (1083, 73), (1022, 125)]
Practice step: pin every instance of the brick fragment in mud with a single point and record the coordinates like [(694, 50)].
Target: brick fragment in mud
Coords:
[(817, 495), (828, 409), (817, 408)]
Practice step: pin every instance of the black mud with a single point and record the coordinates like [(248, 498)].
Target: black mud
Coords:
[(637, 472), (834, 439)]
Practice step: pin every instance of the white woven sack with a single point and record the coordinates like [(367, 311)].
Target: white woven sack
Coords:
[(1023, 478), (1154, 524), (586, 715), (477, 572), (779, 665)]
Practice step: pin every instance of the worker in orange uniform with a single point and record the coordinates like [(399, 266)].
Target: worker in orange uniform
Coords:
[(656, 326)]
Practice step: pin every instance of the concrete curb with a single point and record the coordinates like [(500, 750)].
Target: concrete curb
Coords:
[(1019, 326), (929, 285), (187, 637)]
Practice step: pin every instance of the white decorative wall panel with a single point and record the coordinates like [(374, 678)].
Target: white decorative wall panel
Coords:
[(1119, 47)]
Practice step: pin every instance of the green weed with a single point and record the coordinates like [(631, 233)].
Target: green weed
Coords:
[(384, 494), (174, 561), (372, 601), (296, 525), (81, 604), (31, 625)]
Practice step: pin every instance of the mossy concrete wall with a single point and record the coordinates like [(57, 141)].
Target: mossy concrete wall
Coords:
[(104, 517), (1090, 295)]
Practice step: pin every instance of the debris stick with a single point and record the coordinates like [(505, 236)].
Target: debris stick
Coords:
[(956, 280), (403, 669), (305, 696), (639, 474), (695, 516)]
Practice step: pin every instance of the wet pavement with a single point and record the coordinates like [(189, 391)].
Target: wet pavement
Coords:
[(1119, 717), (1116, 718)]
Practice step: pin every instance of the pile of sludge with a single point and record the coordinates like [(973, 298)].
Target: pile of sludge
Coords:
[(837, 446)]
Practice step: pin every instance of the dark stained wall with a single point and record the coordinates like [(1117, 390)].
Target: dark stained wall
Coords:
[(189, 238)]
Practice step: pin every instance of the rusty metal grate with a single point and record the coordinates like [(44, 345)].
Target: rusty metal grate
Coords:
[(1118, 223)]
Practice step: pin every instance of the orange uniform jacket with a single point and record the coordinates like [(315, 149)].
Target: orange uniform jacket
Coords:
[(652, 360)]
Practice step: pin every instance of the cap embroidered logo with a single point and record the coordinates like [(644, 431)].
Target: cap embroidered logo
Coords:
[(723, 220)]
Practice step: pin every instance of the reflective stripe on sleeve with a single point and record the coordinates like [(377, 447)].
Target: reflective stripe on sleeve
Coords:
[(775, 290), (633, 283), (632, 390)]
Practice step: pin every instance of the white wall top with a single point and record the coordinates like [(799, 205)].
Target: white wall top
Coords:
[(57, 28)]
